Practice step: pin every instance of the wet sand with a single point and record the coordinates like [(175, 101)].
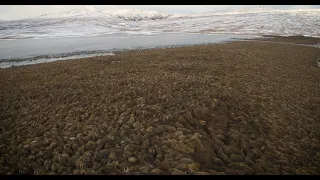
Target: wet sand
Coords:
[(231, 108), (293, 39)]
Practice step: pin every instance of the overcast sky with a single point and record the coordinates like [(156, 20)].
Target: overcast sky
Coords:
[(10, 12)]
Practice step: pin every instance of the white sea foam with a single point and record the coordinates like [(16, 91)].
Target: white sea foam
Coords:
[(95, 21)]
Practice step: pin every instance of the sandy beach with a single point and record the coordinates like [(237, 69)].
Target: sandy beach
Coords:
[(231, 108)]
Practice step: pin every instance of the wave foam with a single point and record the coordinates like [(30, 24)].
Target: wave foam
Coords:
[(94, 21)]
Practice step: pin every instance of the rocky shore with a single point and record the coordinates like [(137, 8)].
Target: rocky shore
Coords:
[(230, 108)]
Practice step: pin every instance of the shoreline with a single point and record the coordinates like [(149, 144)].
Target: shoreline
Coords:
[(241, 107), (38, 47), (293, 40)]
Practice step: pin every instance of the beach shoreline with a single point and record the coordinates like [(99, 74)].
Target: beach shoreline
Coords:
[(291, 40), (241, 107)]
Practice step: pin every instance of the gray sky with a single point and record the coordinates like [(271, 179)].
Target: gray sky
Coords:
[(11, 12)]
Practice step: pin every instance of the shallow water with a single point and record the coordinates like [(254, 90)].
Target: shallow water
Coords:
[(45, 60), (16, 51)]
